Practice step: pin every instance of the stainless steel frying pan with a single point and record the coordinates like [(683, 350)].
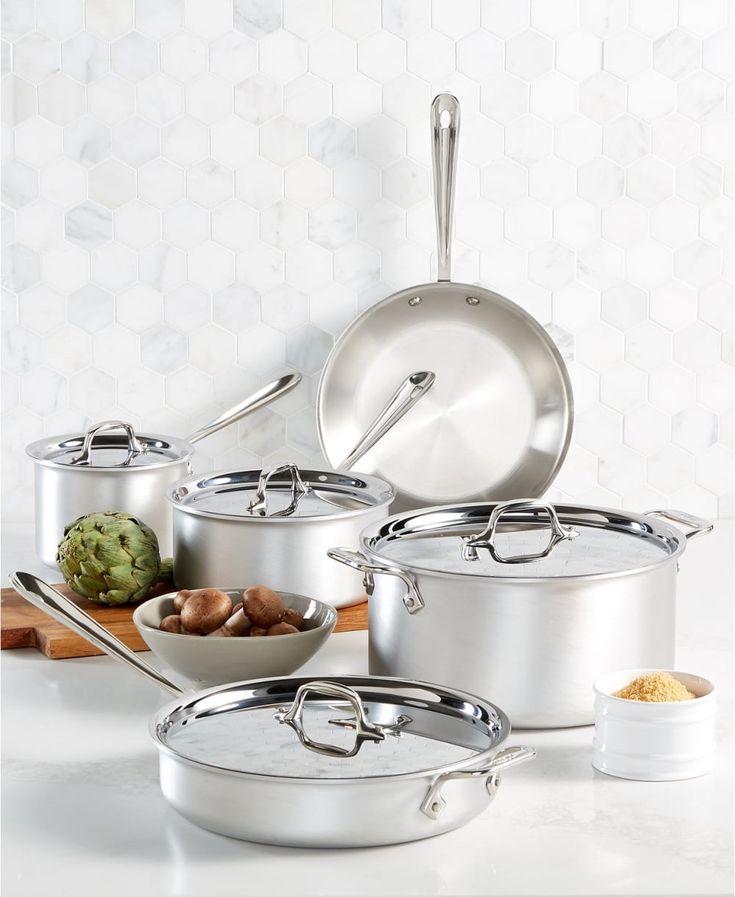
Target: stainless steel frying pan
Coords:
[(498, 422)]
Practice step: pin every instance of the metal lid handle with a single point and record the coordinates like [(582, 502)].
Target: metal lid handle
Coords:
[(445, 118), (364, 729), (486, 539), (298, 490), (135, 447)]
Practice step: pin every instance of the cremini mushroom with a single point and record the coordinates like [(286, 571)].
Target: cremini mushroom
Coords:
[(171, 623), (281, 629), (237, 624), (205, 610), (263, 606)]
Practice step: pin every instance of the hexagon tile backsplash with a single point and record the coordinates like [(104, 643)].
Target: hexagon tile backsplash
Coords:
[(200, 194)]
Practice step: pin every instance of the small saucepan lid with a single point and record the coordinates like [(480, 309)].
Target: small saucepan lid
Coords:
[(282, 493)]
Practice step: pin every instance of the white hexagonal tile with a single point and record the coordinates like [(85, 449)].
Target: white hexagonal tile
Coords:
[(627, 53), (672, 388), (85, 58), (670, 469), (699, 94), (186, 140), (312, 19), (234, 225), (210, 18), (626, 139), (330, 225), (646, 429), (209, 183), (504, 181), (261, 185), (527, 139), (186, 224), (140, 390), (697, 347), (67, 267), (236, 308), (599, 429), (211, 266), (61, 99), (19, 101), (88, 225), (184, 56), (649, 264), (694, 429), (135, 141), (600, 264), (716, 305), (262, 349), (115, 348), (37, 142), (258, 99), (602, 97), (137, 224), (111, 99), (624, 222), (39, 225), (158, 18), (260, 266), (209, 98), (43, 391), (90, 308), (619, 466), (577, 140), (650, 181), (698, 263), (674, 222), (527, 223), (21, 267), (187, 308), (528, 55), (716, 223), (674, 139), (41, 309), (113, 266), (160, 99), (36, 58), (162, 266), (406, 99), (188, 388), (554, 97), (674, 305), (282, 56), (111, 183), (651, 96), (600, 181), (284, 308), (504, 98), (69, 349), (211, 348), (623, 387), (160, 183), (282, 140)]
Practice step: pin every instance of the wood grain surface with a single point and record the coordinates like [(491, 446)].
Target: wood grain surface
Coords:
[(24, 626)]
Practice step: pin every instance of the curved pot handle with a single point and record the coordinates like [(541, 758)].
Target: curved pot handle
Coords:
[(412, 600), (699, 526), (135, 446), (298, 490), (433, 804), (486, 539), (364, 729)]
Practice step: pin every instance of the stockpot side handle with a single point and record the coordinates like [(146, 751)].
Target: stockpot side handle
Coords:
[(445, 117), (412, 600), (486, 539), (698, 526), (294, 717), (135, 446), (434, 803), (299, 489)]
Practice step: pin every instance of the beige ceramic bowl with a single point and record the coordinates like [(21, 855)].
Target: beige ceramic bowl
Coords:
[(208, 661)]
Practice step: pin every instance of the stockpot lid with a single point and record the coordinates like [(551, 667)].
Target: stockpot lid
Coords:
[(528, 539), (286, 492), (339, 727), (102, 449)]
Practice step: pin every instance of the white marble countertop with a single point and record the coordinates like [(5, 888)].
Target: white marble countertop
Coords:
[(82, 813)]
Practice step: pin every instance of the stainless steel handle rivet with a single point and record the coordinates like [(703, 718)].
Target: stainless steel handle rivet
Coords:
[(472, 300), (486, 539), (364, 729), (414, 301)]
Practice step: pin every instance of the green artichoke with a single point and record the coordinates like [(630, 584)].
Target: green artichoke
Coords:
[(111, 558)]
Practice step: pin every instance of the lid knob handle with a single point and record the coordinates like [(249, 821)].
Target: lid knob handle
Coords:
[(259, 505), (364, 729), (135, 447), (486, 539)]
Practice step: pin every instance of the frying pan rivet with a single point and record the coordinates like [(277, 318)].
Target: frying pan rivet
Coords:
[(414, 300), (472, 300)]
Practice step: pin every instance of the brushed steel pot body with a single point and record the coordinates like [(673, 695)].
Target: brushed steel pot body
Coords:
[(63, 493), (534, 647), (286, 554), (330, 813)]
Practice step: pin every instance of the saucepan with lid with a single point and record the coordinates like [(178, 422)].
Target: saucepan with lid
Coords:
[(341, 761), (112, 468), (523, 600)]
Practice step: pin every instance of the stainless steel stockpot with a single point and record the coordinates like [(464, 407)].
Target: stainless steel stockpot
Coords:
[(342, 761), (112, 468), (274, 527), (522, 600)]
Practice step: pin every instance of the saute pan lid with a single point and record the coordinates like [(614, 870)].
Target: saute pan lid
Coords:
[(529, 539), (339, 727), (101, 449), (282, 493)]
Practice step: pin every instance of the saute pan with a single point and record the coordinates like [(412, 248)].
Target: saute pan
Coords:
[(342, 761), (498, 421)]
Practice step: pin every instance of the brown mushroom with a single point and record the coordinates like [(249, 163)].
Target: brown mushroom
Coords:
[(281, 629), (238, 624), (180, 599), (263, 606), (171, 623), (257, 632), (292, 616), (205, 610)]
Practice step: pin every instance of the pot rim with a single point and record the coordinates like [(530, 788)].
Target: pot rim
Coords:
[(475, 761), (344, 514), (374, 554)]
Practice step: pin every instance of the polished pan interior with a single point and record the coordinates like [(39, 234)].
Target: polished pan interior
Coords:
[(497, 422)]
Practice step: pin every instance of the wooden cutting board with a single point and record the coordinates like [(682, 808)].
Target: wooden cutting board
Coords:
[(24, 626)]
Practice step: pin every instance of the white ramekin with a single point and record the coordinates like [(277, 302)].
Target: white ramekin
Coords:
[(653, 741)]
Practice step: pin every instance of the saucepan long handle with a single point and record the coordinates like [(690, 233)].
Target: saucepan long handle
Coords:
[(444, 136), (56, 605)]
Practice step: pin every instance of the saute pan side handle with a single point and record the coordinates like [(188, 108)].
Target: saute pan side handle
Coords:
[(433, 804), (356, 559), (444, 135), (698, 526)]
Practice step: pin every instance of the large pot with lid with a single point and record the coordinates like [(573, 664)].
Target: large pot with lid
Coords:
[(341, 761), (274, 527), (525, 601), (113, 468)]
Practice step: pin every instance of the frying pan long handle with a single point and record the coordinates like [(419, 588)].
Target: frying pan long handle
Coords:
[(263, 396), (56, 605), (445, 118)]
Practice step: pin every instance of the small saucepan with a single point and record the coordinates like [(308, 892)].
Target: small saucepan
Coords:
[(112, 468)]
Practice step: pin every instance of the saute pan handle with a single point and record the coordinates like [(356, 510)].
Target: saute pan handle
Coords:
[(356, 559), (444, 135), (699, 527), (486, 539), (433, 804), (263, 396), (135, 447), (56, 605), (364, 729)]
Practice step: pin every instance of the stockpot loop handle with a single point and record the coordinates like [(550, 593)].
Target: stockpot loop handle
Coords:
[(434, 803), (299, 489), (698, 526), (364, 729), (135, 447), (412, 600), (486, 539)]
